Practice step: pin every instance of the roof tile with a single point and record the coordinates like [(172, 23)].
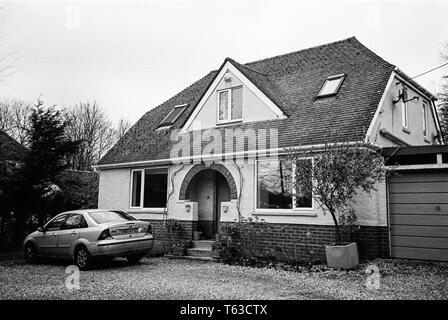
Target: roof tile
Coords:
[(292, 81)]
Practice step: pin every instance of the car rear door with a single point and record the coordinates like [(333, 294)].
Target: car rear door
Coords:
[(47, 244), (70, 233)]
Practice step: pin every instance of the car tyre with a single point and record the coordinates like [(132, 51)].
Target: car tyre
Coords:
[(82, 258), (134, 258), (30, 253)]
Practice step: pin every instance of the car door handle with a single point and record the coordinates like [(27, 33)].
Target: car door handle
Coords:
[(74, 232), (53, 235)]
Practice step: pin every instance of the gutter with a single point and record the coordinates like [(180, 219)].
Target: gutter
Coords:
[(388, 135), (232, 155)]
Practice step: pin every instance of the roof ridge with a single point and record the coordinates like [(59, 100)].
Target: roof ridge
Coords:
[(301, 50), (244, 66)]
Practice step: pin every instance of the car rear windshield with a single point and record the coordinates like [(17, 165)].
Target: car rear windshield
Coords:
[(110, 216)]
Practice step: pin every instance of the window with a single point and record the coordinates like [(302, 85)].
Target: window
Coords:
[(136, 188), (301, 198), (173, 115), (75, 221), (331, 85), (56, 223), (274, 187), (110, 216), (149, 188), (230, 104), (425, 120), (404, 115)]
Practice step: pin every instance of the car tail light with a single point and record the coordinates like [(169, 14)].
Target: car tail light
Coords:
[(149, 230), (105, 235)]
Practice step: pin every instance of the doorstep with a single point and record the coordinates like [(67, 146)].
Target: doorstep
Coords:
[(210, 259)]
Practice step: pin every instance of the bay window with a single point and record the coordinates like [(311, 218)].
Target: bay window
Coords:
[(275, 181), (149, 188)]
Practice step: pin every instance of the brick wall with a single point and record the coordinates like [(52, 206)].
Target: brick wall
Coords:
[(289, 241), (286, 241), (162, 239)]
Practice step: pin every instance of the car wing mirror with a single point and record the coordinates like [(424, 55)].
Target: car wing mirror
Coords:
[(41, 229)]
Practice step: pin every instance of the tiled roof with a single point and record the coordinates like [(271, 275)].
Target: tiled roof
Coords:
[(292, 81), (10, 149)]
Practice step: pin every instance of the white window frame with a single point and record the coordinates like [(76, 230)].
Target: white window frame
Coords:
[(425, 119), (404, 115), (295, 210), (183, 106), (338, 76), (142, 191), (229, 106)]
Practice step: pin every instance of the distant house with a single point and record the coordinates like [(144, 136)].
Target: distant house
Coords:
[(12, 153), (340, 91)]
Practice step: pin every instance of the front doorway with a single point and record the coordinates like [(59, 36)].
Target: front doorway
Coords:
[(209, 188)]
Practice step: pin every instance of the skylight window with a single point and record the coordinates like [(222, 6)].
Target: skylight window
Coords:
[(331, 86), (173, 115)]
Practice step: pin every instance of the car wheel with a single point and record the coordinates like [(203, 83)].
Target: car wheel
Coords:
[(134, 258), (30, 253), (82, 258)]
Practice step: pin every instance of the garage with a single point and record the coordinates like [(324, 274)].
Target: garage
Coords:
[(418, 204)]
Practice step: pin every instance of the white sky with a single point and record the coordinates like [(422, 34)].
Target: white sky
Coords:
[(130, 56)]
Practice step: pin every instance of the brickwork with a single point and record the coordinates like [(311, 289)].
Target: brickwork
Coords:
[(289, 241), (286, 241), (186, 185), (162, 239)]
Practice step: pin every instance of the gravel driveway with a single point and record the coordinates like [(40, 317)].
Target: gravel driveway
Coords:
[(161, 278)]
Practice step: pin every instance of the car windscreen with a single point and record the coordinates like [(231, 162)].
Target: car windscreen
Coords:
[(110, 216)]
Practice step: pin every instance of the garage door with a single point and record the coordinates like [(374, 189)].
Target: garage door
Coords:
[(418, 206)]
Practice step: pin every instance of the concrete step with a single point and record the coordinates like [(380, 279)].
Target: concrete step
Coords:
[(201, 252), (203, 244), (210, 259)]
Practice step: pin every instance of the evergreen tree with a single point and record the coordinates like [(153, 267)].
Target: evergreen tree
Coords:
[(49, 151)]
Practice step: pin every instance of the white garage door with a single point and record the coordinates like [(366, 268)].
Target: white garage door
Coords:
[(418, 206)]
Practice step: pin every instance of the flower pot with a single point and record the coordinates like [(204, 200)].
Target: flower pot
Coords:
[(342, 256)]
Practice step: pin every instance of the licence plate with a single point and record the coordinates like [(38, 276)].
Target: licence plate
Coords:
[(128, 231)]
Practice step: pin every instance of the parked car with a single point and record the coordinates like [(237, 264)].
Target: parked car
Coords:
[(84, 235)]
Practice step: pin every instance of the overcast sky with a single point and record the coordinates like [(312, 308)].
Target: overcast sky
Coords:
[(130, 56)]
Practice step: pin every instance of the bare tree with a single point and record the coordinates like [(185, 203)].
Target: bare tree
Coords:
[(87, 122), (122, 127), (15, 119), (443, 96), (7, 59)]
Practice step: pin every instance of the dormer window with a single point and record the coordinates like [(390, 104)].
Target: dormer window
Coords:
[(230, 105), (331, 86), (173, 116)]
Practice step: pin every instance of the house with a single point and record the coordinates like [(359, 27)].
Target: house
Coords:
[(12, 153), (213, 152)]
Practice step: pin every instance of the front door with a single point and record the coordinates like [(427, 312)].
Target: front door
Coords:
[(209, 189), (222, 195)]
